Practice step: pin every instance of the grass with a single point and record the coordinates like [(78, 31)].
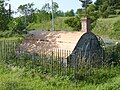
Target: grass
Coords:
[(15, 78), (104, 27), (59, 25), (10, 38)]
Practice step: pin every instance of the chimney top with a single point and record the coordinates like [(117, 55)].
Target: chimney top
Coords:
[(85, 22)]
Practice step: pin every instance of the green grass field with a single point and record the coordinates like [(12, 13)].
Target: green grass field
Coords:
[(15, 78)]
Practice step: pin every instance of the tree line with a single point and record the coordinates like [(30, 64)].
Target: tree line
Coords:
[(98, 9), (29, 14)]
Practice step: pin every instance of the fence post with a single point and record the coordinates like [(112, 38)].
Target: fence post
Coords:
[(75, 78), (52, 62)]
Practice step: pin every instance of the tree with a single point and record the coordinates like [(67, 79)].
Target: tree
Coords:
[(56, 6), (74, 22), (16, 26), (85, 3), (27, 11), (42, 16), (60, 13), (90, 12), (104, 10), (93, 14), (70, 13), (112, 4), (4, 16), (46, 7), (98, 3), (79, 11)]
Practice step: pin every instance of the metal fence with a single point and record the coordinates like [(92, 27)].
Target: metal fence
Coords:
[(62, 63)]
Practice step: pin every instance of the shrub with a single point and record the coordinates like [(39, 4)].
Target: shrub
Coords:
[(116, 30), (74, 22)]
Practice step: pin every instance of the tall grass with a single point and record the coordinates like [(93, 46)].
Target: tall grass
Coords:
[(14, 76), (105, 27)]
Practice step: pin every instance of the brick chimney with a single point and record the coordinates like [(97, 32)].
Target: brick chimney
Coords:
[(85, 24)]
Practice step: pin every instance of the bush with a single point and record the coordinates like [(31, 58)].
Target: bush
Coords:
[(74, 22), (17, 26), (116, 30)]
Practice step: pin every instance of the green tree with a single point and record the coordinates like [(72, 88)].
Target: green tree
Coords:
[(113, 5), (56, 6), (70, 13), (42, 16), (104, 10), (93, 14), (79, 11), (85, 3), (4, 16), (46, 7), (98, 3), (74, 22), (16, 26), (27, 11), (60, 13)]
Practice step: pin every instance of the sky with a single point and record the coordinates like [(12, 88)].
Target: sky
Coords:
[(64, 5)]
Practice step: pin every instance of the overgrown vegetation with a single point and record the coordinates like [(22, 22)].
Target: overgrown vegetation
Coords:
[(20, 78), (108, 27), (25, 74)]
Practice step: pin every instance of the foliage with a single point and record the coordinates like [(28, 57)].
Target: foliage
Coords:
[(42, 16), (113, 54), (92, 14), (56, 6), (107, 7), (4, 16), (17, 26), (85, 3), (116, 30), (104, 27), (27, 11), (89, 12), (104, 10), (46, 7), (15, 77), (74, 23), (70, 13), (5, 34), (46, 25), (79, 11), (60, 13)]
